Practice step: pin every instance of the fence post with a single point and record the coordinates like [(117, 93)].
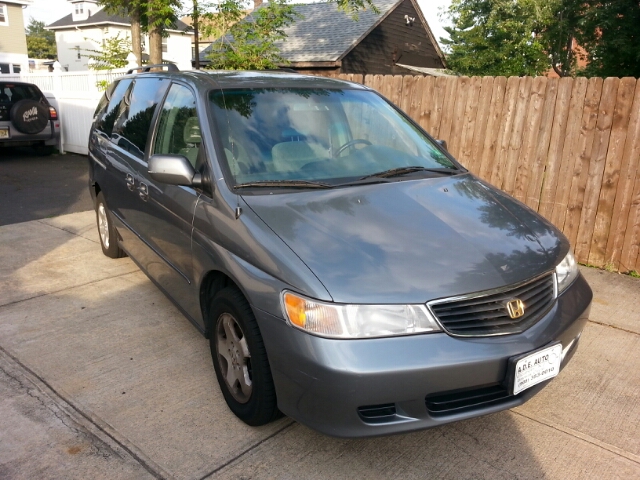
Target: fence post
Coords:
[(57, 92)]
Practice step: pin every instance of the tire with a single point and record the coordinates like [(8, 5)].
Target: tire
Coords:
[(240, 359), (29, 117), (106, 230)]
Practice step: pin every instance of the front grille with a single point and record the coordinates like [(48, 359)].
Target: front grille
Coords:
[(457, 402), (486, 313)]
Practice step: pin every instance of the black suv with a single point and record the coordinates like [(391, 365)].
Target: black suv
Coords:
[(27, 118)]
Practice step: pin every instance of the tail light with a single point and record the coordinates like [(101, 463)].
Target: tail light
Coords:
[(53, 115)]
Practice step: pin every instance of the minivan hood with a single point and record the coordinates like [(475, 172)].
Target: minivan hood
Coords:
[(412, 241)]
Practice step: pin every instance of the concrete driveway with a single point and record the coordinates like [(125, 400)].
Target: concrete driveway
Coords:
[(101, 377)]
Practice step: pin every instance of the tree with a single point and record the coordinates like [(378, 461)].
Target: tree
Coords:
[(560, 33), (134, 10), (610, 33), (161, 15), (41, 43), (249, 44), (497, 37)]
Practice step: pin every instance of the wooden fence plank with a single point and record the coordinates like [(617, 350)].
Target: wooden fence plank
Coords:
[(506, 125), (630, 258), (465, 148), (409, 103), (617, 140), (458, 106), (556, 145), (426, 86), (448, 108), (480, 129), (493, 128), (531, 138), (542, 147), (515, 140), (583, 154), (596, 167), (439, 96), (576, 108), (628, 171)]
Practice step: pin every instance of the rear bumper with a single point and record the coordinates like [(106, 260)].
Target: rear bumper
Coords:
[(49, 136), (322, 382)]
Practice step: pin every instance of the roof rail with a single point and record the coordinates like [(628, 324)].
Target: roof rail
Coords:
[(169, 66)]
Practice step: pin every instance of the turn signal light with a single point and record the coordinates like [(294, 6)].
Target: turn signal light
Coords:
[(53, 115)]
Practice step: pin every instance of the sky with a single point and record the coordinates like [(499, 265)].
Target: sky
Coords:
[(49, 11)]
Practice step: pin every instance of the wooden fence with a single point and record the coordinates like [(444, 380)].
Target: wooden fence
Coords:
[(568, 148)]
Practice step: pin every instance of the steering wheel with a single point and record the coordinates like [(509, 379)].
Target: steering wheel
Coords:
[(351, 143)]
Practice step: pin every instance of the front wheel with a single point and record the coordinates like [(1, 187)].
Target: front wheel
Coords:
[(240, 359)]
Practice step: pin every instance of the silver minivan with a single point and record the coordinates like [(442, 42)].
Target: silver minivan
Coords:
[(347, 270)]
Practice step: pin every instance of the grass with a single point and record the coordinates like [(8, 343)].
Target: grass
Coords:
[(610, 267)]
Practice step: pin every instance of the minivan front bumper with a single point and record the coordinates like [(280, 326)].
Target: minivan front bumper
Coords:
[(370, 387)]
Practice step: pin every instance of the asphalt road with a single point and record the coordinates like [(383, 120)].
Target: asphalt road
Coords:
[(33, 188)]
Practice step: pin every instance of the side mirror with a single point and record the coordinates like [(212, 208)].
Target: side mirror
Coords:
[(442, 143), (174, 170)]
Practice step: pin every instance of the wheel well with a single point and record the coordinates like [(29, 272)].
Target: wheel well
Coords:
[(212, 283)]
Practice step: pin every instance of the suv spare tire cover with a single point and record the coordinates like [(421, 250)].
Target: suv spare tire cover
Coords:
[(29, 116)]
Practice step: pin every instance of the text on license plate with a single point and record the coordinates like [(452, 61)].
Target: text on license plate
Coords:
[(4, 133), (537, 367)]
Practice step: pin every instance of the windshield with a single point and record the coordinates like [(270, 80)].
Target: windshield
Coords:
[(331, 136)]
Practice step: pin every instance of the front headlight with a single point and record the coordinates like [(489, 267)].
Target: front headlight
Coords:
[(356, 321), (566, 271)]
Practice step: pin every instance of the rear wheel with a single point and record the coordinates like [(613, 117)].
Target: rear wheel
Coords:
[(240, 359), (106, 230)]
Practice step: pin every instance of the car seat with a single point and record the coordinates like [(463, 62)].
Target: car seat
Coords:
[(192, 138)]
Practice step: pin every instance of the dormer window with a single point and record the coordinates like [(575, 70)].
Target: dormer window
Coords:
[(79, 8), (4, 15)]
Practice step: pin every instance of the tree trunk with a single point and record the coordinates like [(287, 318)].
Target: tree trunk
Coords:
[(155, 38), (136, 35)]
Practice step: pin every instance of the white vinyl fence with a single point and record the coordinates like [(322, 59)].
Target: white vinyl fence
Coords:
[(75, 95)]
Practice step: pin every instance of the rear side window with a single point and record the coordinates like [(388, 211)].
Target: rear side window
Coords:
[(132, 127), (14, 92), (114, 109)]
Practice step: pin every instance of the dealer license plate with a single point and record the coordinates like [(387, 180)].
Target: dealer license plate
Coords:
[(4, 133), (536, 367)]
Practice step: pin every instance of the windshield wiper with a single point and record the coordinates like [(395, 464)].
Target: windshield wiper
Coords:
[(394, 172), (284, 183)]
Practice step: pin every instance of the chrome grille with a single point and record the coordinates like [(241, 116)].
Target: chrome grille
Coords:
[(485, 313)]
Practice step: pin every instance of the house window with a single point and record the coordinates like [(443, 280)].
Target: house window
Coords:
[(17, 68), (78, 51), (164, 45), (79, 8), (4, 15)]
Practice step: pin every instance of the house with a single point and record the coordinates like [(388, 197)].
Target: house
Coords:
[(13, 40), (89, 24), (325, 40)]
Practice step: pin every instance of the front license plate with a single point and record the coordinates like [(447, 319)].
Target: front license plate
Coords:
[(4, 133), (536, 367)]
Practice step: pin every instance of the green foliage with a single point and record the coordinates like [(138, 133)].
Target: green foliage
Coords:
[(497, 37), (41, 43), (112, 55), (559, 34), (610, 33), (248, 44)]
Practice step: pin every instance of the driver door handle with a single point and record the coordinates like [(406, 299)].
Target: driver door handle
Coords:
[(131, 183), (143, 191)]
